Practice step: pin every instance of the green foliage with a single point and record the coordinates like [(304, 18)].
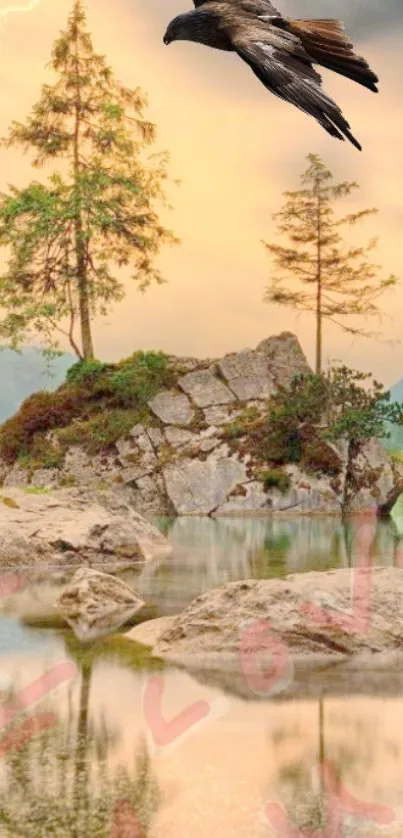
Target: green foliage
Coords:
[(10, 502), (138, 379), (85, 372), (329, 279), (275, 478), (98, 405), (37, 490), (132, 383), (319, 457), (356, 411), (100, 432), (242, 424), (301, 422), (68, 239)]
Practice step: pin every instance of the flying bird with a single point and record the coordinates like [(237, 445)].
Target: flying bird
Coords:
[(281, 52)]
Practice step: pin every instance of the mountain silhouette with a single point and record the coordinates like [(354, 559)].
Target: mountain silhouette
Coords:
[(26, 372)]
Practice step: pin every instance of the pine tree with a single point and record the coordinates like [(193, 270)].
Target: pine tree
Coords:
[(66, 239), (334, 281)]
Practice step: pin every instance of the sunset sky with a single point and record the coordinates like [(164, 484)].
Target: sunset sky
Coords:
[(236, 149)]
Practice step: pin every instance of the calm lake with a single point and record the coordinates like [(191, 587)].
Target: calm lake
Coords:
[(122, 747)]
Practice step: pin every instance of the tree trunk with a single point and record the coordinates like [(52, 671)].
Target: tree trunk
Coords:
[(84, 302), (80, 248), (318, 364)]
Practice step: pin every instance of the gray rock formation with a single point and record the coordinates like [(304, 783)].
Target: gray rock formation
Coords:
[(172, 408), (178, 437), (248, 374), (70, 527), (95, 604), (205, 389), (285, 358), (198, 488)]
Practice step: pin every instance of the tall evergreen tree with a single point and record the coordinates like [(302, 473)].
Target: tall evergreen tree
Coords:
[(333, 281), (97, 214)]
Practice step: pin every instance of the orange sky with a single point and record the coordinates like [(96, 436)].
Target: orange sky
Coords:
[(235, 149)]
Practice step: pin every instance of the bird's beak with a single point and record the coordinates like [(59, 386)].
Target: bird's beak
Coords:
[(166, 40)]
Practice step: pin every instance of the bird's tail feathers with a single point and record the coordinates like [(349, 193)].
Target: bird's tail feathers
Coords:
[(326, 43)]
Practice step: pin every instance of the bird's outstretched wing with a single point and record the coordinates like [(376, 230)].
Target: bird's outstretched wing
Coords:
[(279, 60)]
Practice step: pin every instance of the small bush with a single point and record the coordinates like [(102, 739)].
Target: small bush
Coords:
[(139, 378), (85, 372), (280, 441), (98, 404), (317, 456), (99, 432), (40, 413), (275, 478), (243, 424)]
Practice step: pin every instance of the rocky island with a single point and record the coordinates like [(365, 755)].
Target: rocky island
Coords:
[(184, 436)]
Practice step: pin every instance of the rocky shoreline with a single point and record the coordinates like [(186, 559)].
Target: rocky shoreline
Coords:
[(63, 528)]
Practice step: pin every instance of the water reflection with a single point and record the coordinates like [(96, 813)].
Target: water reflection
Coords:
[(209, 552), (61, 782), (94, 771), (219, 781)]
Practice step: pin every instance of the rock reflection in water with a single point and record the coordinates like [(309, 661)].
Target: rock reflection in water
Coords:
[(210, 552)]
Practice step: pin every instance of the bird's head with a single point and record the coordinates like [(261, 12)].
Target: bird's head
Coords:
[(178, 29)]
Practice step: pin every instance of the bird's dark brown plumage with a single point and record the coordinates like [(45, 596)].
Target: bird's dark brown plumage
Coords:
[(281, 52)]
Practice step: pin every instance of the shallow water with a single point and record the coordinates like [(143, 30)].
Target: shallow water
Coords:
[(209, 764)]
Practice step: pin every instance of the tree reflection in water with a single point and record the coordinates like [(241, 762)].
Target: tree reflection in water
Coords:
[(61, 784)]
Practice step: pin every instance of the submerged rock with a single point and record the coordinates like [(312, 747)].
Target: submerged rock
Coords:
[(150, 631), (95, 604)]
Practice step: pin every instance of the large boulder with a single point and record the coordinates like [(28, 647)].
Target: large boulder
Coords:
[(248, 374), (305, 619), (95, 604), (70, 527), (285, 358), (198, 488), (172, 408), (205, 389)]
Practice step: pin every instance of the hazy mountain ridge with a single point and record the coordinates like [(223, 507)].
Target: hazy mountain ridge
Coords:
[(26, 372), (395, 442)]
